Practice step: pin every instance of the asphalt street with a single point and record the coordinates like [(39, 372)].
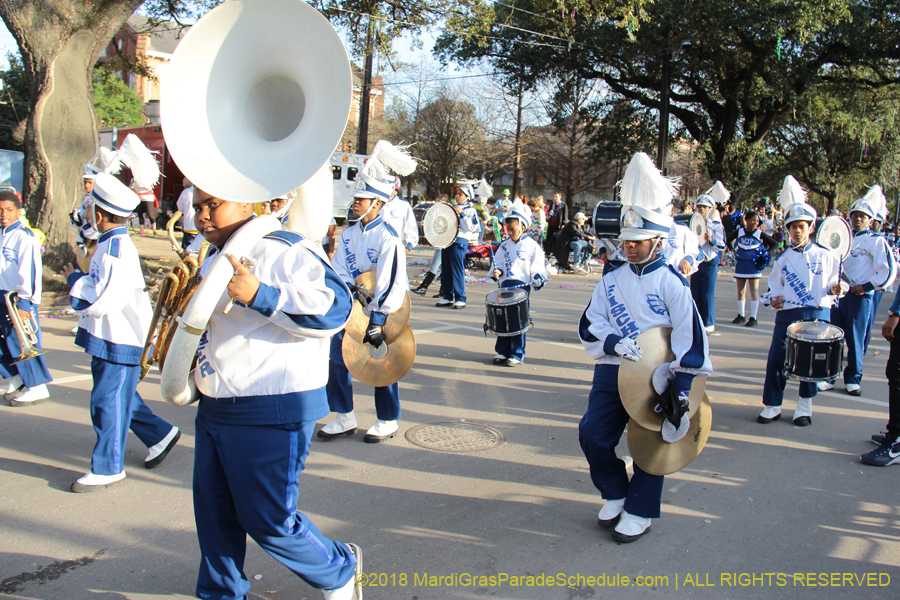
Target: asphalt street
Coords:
[(765, 512)]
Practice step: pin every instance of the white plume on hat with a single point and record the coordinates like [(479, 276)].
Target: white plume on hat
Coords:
[(518, 211), (719, 193), (484, 189), (387, 159), (143, 165), (876, 199), (791, 193), (643, 185), (103, 161)]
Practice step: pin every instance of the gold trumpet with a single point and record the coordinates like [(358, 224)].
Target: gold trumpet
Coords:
[(25, 330), (175, 292)]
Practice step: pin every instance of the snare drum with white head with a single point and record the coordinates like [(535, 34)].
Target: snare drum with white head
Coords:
[(507, 312), (815, 351)]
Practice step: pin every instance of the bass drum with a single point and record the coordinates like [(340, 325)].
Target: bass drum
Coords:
[(815, 351), (606, 220), (507, 312), (441, 225), (835, 234)]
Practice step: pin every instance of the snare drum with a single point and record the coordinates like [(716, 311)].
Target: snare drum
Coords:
[(815, 351), (606, 220), (507, 312)]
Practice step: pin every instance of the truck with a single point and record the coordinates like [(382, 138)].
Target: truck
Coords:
[(344, 168)]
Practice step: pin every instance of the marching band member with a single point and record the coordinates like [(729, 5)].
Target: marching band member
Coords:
[(703, 282), (681, 246), (399, 214), (261, 375), (434, 269), (634, 296), (368, 245), (869, 267), (20, 272), (876, 197), (453, 257), (115, 316), (751, 247), (518, 262), (802, 287), (185, 204)]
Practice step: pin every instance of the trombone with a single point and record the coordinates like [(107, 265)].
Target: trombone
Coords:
[(26, 331)]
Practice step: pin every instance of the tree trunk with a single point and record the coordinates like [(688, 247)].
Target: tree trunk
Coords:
[(517, 159), (60, 42)]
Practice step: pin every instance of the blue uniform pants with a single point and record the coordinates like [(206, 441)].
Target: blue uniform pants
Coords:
[(340, 387), (703, 290), (115, 407), (773, 389), (852, 315), (599, 433), (512, 346), (246, 482), (453, 263), (873, 314), (33, 371)]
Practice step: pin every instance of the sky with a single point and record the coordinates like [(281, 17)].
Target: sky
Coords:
[(7, 44)]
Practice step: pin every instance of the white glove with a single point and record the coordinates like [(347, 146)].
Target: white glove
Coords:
[(628, 348)]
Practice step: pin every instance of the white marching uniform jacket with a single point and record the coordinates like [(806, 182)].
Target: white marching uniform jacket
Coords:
[(20, 264), (709, 250), (269, 360), (870, 263), (81, 217), (521, 261), (399, 214), (803, 277), (111, 300), (185, 204), (468, 224), (374, 246), (630, 300), (681, 244)]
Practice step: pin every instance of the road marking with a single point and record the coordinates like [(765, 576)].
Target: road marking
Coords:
[(71, 379), (756, 380)]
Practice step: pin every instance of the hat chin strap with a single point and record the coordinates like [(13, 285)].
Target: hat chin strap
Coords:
[(649, 254), (363, 216)]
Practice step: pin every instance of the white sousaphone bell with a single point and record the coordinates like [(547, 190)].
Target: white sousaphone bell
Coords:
[(253, 104)]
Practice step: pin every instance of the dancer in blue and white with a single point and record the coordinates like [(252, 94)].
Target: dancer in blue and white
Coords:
[(453, 257), (803, 286), (635, 296), (869, 267), (368, 245), (518, 262), (703, 282), (751, 247), (115, 316), (20, 272)]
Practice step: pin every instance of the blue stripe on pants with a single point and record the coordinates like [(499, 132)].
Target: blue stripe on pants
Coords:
[(246, 482), (852, 315), (453, 264), (703, 290), (115, 407), (340, 387), (773, 389), (599, 433), (873, 313)]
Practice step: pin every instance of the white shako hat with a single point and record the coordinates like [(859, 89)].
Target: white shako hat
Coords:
[(706, 200), (113, 196), (376, 179), (644, 191), (862, 205), (518, 212), (875, 198), (792, 199)]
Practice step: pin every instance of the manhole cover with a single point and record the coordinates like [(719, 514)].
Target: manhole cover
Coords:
[(455, 437)]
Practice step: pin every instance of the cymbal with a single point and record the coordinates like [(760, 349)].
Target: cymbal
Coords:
[(659, 457), (395, 323), (636, 380), (381, 367)]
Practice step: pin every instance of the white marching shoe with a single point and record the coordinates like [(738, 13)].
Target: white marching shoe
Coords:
[(769, 414), (803, 413), (630, 528), (15, 387), (352, 590), (853, 389), (343, 424), (31, 396), (610, 513), (159, 452), (94, 483), (380, 431), (824, 386)]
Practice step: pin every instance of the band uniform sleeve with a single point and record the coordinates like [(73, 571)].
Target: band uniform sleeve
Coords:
[(410, 228), (391, 283), (339, 261), (302, 294), (691, 246), (538, 267), (30, 270), (775, 283), (105, 290), (499, 261), (597, 334), (689, 342), (717, 231), (884, 263)]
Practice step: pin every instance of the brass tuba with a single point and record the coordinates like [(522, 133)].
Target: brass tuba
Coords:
[(25, 331)]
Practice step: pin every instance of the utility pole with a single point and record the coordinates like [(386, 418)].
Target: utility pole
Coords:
[(664, 109), (517, 159), (362, 143)]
